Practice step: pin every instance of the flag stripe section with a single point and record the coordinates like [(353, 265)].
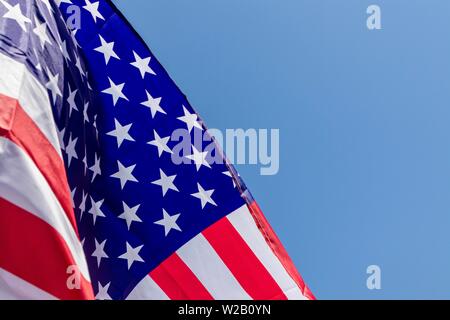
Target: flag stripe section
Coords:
[(22, 130), (35, 196), (15, 288), (242, 262), (147, 289), (178, 282), (277, 248), (209, 268), (18, 83), (243, 222), (37, 253)]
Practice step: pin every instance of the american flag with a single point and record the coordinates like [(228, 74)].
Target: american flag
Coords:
[(87, 184)]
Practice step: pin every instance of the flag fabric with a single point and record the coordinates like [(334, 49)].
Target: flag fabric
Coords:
[(92, 204)]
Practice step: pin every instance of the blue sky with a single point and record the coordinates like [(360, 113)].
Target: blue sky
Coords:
[(364, 118)]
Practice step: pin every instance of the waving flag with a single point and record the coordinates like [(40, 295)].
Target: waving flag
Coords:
[(87, 179)]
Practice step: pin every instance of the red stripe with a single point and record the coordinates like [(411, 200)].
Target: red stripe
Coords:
[(35, 252), (242, 262), (18, 127), (178, 282), (278, 249), (7, 110)]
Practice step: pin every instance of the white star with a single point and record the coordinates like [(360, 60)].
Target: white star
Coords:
[(64, 51), (228, 174), (121, 133), (73, 35), (115, 91), (96, 210), (199, 158), (52, 85), (58, 2), (88, 82), (191, 120), (132, 255), (143, 65), (124, 174), (15, 13), (166, 182), (72, 196), (204, 196), (85, 112), (96, 170), (153, 104), (82, 206), (70, 149), (61, 134), (129, 214), (99, 251), (79, 66), (94, 124), (71, 100), (93, 9), (103, 292), (160, 143), (107, 49), (85, 162), (41, 32), (168, 222)]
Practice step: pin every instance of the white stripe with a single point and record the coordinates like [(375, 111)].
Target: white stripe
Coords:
[(22, 184), (18, 83), (147, 289), (243, 221), (210, 270), (14, 288)]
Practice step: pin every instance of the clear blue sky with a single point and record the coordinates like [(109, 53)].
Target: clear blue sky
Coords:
[(364, 118)]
